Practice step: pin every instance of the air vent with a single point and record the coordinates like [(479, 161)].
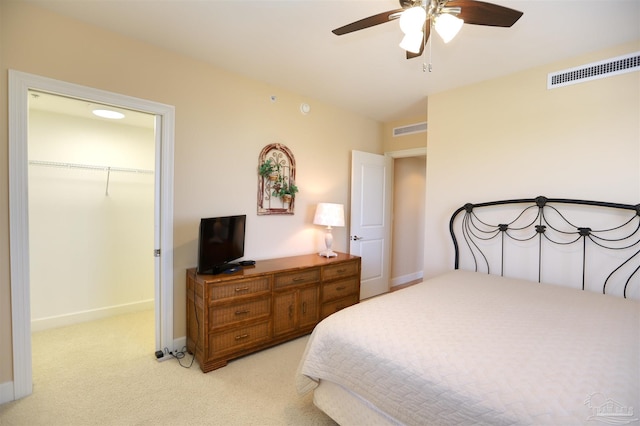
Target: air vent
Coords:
[(410, 129), (594, 70)]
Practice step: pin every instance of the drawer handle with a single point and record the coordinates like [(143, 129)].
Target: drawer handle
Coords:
[(290, 311), (342, 287), (246, 311), (242, 336), (239, 289), (340, 271), (304, 307), (298, 279)]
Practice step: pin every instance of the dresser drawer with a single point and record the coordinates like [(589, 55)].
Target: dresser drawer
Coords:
[(333, 307), (305, 276), (341, 270), (239, 288), (338, 289), (228, 341), (226, 315)]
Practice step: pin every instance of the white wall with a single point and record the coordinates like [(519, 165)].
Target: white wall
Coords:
[(91, 253)]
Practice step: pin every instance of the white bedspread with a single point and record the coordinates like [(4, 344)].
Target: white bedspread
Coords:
[(471, 348)]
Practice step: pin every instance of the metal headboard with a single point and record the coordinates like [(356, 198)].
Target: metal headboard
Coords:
[(540, 220)]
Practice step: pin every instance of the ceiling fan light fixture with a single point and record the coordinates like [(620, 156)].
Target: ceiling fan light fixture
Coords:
[(411, 42), (447, 26), (412, 20)]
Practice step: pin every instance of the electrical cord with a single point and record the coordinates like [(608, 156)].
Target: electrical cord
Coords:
[(179, 355)]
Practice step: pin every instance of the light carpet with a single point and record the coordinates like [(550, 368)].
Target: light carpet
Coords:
[(104, 373)]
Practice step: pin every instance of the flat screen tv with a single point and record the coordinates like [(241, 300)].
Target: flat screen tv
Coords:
[(220, 241)]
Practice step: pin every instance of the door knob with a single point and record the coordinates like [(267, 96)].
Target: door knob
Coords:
[(355, 238)]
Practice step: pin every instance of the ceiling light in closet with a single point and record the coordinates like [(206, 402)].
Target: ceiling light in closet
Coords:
[(107, 113)]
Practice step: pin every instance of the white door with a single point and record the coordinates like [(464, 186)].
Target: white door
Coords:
[(371, 176)]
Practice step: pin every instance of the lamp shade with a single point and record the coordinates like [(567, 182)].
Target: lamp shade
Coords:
[(329, 214)]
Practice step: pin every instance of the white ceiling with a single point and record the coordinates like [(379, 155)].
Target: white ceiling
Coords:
[(289, 44), (81, 108)]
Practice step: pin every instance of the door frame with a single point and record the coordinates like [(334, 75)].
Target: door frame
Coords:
[(19, 85), (406, 153)]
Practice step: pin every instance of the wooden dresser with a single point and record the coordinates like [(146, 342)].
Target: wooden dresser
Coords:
[(231, 315)]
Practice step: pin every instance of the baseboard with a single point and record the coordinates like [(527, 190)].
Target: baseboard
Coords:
[(180, 343), (6, 392), (406, 278), (41, 324)]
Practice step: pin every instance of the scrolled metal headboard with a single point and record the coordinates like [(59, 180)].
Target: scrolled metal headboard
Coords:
[(541, 220)]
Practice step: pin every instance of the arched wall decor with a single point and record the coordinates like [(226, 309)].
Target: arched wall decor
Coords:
[(276, 180)]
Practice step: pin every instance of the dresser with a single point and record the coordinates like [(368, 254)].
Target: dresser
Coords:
[(234, 314)]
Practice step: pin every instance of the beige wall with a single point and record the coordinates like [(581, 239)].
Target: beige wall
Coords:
[(513, 138), (407, 242), (407, 245), (222, 123)]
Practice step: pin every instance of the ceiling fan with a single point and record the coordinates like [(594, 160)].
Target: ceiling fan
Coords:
[(417, 17)]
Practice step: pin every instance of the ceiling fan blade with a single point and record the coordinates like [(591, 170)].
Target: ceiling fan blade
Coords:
[(371, 21), (481, 13), (425, 37)]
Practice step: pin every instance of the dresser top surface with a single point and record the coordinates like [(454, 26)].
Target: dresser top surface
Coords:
[(282, 264)]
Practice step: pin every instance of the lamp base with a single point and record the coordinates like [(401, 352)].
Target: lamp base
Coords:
[(328, 253)]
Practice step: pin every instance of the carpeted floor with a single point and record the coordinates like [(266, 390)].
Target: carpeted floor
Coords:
[(104, 373)]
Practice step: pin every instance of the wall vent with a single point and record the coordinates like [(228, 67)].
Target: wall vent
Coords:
[(410, 129), (595, 70)]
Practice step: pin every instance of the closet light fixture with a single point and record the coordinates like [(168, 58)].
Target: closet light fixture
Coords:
[(107, 113)]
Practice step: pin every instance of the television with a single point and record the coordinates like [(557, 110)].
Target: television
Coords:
[(220, 242)]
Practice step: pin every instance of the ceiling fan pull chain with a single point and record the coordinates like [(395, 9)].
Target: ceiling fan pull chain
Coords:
[(430, 43), (424, 65)]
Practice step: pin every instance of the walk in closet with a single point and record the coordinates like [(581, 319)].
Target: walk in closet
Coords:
[(91, 213)]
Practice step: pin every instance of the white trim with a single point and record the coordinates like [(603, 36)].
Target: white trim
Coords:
[(415, 152), (19, 85), (46, 323), (6, 392), (165, 290), (19, 235), (180, 343), (406, 278)]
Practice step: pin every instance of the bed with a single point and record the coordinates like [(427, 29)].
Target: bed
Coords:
[(490, 343)]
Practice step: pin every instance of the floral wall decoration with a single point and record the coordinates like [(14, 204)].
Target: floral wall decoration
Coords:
[(276, 180)]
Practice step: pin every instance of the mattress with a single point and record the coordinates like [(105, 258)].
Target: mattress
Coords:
[(472, 348)]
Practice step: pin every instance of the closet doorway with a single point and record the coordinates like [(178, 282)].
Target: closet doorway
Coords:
[(91, 204), (409, 193), (21, 87)]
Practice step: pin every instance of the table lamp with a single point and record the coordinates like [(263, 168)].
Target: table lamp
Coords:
[(329, 214)]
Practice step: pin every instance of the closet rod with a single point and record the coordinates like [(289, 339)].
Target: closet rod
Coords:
[(88, 167)]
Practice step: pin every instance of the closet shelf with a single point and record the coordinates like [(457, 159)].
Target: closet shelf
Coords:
[(107, 169), (88, 167)]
